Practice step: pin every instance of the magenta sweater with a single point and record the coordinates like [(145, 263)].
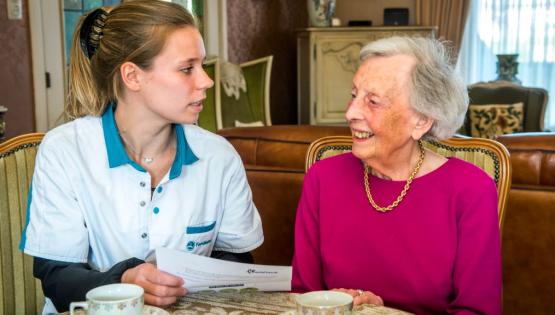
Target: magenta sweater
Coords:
[(437, 252)]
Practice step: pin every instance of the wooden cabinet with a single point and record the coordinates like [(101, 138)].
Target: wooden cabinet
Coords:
[(327, 59)]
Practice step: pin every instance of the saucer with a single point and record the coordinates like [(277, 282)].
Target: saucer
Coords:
[(366, 309), (147, 310)]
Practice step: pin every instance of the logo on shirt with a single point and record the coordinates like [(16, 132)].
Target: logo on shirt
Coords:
[(191, 245)]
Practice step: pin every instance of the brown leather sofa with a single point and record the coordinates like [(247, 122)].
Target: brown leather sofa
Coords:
[(529, 229), (274, 158)]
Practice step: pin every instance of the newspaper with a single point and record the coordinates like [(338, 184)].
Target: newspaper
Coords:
[(202, 273)]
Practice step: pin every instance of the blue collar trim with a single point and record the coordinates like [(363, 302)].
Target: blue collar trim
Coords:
[(114, 147), (184, 155), (117, 155)]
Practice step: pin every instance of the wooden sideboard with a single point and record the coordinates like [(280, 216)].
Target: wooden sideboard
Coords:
[(327, 59)]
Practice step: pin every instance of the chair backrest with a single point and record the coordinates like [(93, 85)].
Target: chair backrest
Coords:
[(249, 106), (504, 92), (489, 155), (211, 116), (20, 292)]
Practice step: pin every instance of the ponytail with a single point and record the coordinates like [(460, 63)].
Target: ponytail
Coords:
[(84, 96)]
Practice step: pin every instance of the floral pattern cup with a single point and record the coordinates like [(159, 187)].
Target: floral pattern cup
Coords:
[(112, 299), (324, 303)]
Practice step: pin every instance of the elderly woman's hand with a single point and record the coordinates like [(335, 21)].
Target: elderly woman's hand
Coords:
[(362, 297)]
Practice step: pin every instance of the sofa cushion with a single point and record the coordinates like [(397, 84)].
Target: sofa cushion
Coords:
[(491, 120), (276, 194), (528, 255), (277, 146), (532, 158)]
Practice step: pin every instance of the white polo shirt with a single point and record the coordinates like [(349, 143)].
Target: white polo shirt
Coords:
[(89, 202)]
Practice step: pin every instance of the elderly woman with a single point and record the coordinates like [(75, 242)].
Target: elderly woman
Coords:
[(393, 222)]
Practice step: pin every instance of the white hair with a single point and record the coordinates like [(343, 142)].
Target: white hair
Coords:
[(437, 92)]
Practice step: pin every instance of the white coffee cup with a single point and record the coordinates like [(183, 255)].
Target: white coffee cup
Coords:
[(324, 302), (112, 299)]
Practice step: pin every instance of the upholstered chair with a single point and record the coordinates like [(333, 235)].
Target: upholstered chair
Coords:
[(489, 155), (20, 292), (245, 93), (504, 107)]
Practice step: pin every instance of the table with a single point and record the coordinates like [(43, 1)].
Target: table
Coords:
[(249, 302), (243, 302)]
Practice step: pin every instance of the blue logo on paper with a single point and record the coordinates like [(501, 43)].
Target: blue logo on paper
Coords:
[(191, 245)]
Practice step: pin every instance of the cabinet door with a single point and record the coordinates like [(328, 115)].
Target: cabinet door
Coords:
[(336, 63)]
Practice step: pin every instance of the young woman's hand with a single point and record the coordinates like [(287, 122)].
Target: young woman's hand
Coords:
[(362, 297), (160, 288)]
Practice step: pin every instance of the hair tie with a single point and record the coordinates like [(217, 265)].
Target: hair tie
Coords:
[(91, 31)]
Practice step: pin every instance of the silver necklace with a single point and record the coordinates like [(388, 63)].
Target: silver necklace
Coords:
[(146, 159)]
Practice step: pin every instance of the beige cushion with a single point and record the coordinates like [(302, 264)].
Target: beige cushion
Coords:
[(491, 120), (257, 123)]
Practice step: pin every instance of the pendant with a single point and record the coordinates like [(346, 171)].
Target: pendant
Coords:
[(148, 160)]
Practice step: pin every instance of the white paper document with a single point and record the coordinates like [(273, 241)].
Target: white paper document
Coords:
[(205, 273)]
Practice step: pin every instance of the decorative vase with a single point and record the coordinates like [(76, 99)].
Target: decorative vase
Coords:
[(320, 12), (507, 68), (3, 111)]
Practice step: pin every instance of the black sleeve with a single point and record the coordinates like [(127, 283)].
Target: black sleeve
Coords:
[(64, 282), (236, 257)]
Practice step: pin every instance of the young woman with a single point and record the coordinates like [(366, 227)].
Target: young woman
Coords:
[(131, 172)]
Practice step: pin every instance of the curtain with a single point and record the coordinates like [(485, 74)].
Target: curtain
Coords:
[(524, 27), (448, 15)]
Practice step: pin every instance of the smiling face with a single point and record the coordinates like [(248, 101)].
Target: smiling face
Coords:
[(383, 124), (175, 85)]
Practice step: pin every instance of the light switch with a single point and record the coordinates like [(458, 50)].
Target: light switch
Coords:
[(15, 9)]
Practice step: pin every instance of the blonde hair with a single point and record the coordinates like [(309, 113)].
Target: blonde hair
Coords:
[(136, 32), (437, 91)]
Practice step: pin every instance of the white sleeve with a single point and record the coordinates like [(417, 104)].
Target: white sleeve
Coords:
[(241, 227), (55, 225)]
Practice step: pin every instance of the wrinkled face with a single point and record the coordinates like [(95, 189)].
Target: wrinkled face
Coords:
[(381, 119), (175, 85)]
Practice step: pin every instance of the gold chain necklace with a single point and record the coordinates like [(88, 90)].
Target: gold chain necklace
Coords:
[(403, 192)]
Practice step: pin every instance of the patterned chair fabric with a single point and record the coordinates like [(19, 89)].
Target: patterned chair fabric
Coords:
[(504, 92), (20, 292), (489, 155)]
